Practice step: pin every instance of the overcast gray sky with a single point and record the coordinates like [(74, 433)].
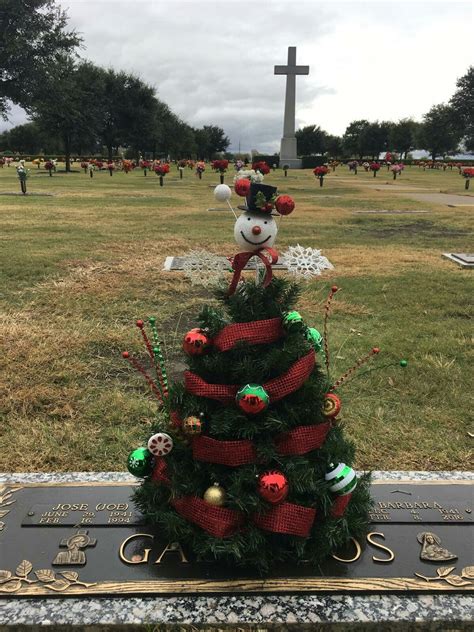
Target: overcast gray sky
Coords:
[(212, 62)]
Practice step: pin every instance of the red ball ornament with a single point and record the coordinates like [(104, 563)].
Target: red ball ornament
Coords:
[(334, 289), (242, 187), (140, 324), (196, 342), (284, 204), (331, 406), (125, 354), (273, 486)]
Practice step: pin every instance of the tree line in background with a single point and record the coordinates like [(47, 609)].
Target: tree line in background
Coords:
[(444, 130), (77, 107)]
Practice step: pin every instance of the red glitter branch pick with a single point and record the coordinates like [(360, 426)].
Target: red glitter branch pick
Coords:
[(137, 366), (327, 307), (350, 371), (141, 326)]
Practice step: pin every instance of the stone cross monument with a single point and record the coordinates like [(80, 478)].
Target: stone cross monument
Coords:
[(288, 154)]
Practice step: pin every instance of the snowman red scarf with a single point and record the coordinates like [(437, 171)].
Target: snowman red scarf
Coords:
[(269, 256)]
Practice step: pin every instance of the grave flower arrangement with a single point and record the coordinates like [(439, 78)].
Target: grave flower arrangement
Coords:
[(111, 167), (396, 170), (220, 166), (239, 164), (200, 169), (248, 463), (84, 165), (249, 174), (49, 166), (353, 164), (2, 162), (127, 166), (262, 167), (320, 172), (161, 170), (99, 164), (145, 165), (374, 167), (23, 174), (366, 165), (467, 173)]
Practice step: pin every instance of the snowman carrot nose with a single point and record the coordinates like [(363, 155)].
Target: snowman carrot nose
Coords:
[(256, 230)]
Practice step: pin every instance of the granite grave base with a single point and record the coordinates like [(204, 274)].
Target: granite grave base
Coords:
[(452, 609)]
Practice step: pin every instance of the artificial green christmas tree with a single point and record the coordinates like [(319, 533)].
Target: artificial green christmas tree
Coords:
[(251, 465)]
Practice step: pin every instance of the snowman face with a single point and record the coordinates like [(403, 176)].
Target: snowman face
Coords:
[(254, 230)]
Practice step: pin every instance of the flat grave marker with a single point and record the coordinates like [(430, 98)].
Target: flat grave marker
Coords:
[(463, 259)]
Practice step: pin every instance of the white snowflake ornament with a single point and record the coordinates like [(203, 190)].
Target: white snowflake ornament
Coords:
[(205, 268), (305, 262)]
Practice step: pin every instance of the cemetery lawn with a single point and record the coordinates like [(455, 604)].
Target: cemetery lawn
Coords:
[(80, 266)]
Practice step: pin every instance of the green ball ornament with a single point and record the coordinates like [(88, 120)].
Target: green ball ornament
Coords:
[(140, 462), (252, 399), (292, 320), (342, 479), (403, 363), (314, 337)]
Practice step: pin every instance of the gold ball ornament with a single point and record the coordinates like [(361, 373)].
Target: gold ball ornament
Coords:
[(215, 495)]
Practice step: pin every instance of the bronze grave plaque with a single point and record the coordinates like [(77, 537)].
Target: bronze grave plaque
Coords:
[(89, 539)]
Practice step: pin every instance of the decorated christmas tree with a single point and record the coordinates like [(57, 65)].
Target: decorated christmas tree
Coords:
[(250, 464)]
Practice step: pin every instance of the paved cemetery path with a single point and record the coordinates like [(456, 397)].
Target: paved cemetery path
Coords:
[(442, 198)]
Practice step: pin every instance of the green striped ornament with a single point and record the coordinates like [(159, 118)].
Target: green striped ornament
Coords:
[(343, 479)]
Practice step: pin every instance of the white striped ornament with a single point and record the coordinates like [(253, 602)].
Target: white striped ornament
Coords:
[(342, 478), (160, 444)]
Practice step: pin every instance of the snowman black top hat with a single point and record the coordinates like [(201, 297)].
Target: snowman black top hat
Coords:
[(255, 201)]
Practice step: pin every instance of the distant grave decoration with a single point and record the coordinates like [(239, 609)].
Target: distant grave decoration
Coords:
[(181, 167), (396, 170), (23, 174), (374, 167), (161, 170), (91, 169), (262, 167), (333, 164), (111, 168), (84, 165), (145, 166), (99, 164), (320, 172), (50, 167), (366, 165), (285, 170), (221, 167), (353, 165), (305, 262), (467, 173), (200, 169), (127, 166)]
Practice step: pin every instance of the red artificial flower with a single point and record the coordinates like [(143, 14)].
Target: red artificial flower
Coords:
[(320, 171), (284, 204), (220, 165), (84, 165), (242, 187), (468, 172), (262, 167), (374, 166), (162, 170)]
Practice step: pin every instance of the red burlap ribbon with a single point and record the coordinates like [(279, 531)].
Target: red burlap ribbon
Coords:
[(287, 518), (257, 332), (242, 258), (230, 453), (175, 419), (217, 521), (302, 439), (277, 389), (339, 506), (159, 473)]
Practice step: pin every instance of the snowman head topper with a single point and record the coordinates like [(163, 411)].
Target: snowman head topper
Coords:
[(256, 227)]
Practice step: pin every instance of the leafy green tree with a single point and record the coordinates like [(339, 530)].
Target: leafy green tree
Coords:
[(311, 140), (374, 138), (334, 146), (210, 140), (439, 132), (23, 139), (32, 34), (67, 106), (355, 137), (462, 103), (403, 136)]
